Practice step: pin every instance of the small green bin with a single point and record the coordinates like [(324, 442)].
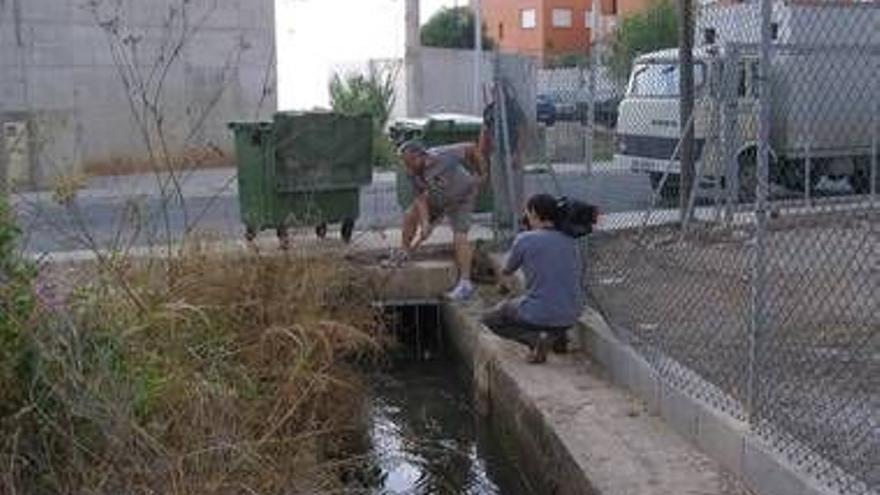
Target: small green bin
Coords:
[(438, 130), (303, 168)]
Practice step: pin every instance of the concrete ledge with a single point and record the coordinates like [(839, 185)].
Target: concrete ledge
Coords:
[(576, 433), (520, 425), (724, 438), (423, 280)]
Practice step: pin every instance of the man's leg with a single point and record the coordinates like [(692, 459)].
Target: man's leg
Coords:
[(504, 321), (410, 226), (460, 221), (464, 255)]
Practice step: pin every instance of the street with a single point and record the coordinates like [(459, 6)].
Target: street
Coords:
[(114, 212)]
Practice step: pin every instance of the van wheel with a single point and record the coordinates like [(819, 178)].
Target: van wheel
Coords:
[(860, 180), (670, 188), (347, 230), (748, 175), (283, 238), (791, 176)]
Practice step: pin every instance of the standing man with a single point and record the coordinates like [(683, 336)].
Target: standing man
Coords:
[(493, 142), (446, 182)]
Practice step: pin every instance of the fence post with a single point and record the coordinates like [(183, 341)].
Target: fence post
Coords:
[(513, 199), (759, 279), (591, 108), (731, 115), (478, 57), (875, 151), (686, 104), (413, 61)]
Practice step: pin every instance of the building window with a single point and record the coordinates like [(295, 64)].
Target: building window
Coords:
[(500, 31), (562, 18), (528, 18), (588, 19)]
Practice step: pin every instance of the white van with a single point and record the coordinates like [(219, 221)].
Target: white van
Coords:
[(824, 115)]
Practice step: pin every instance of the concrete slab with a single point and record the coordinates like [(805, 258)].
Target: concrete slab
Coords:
[(679, 411), (366, 245), (720, 436), (760, 468), (580, 434)]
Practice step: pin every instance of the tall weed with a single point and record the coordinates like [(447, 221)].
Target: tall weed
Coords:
[(202, 373)]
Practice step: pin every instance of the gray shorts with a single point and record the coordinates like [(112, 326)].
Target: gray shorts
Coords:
[(505, 321), (459, 211)]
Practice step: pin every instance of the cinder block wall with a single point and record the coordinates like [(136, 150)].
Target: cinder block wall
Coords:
[(59, 73)]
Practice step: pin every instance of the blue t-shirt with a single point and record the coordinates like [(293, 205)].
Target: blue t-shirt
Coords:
[(552, 266)]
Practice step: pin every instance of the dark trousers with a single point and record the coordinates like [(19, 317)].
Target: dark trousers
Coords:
[(504, 321)]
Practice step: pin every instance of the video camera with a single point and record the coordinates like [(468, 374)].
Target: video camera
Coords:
[(575, 218)]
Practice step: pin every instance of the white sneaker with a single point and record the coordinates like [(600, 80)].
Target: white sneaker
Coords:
[(462, 291)]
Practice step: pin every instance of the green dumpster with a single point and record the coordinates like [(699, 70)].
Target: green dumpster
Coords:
[(437, 130), (303, 168)]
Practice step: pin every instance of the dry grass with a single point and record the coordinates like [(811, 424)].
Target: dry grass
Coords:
[(199, 374)]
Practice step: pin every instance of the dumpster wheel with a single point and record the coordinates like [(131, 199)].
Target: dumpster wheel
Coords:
[(321, 230), (347, 230), (283, 238)]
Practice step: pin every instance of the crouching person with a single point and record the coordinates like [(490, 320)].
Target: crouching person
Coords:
[(553, 297)]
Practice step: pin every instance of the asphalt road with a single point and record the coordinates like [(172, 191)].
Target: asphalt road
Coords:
[(129, 210), (117, 211)]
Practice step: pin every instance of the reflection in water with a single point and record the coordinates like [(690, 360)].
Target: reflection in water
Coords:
[(426, 438)]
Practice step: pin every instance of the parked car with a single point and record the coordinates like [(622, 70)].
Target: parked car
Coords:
[(546, 110), (606, 112), (562, 106)]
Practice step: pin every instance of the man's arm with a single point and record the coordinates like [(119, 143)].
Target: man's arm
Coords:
[(506, 280), (426, 227), (476, 163)]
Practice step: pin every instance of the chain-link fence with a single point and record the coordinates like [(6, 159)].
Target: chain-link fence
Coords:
[(756, 292), (759, 291)]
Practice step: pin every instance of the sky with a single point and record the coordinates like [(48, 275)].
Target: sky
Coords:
[(316, 36)]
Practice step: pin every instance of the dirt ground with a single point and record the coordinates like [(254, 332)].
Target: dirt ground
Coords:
[(817, 354)]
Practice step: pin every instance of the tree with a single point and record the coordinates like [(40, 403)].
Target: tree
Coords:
[(371, 92), (653, 29), (453, 28), (568, 60)]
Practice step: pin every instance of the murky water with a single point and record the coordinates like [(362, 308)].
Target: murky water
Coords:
[(425, 436), (427, 439)]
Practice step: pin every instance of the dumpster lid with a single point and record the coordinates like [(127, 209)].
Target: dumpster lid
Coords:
[(409, 122), (458, 118), (244, 124)]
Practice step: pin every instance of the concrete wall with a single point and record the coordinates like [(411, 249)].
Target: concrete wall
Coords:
[(59, 74), (448, 80), (503, 21)]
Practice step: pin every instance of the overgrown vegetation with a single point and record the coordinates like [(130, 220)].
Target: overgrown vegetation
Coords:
[(189, 370), (16, 309), (567, 60), (653, 29), (197, 374), (453, 27), (371, 92)]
